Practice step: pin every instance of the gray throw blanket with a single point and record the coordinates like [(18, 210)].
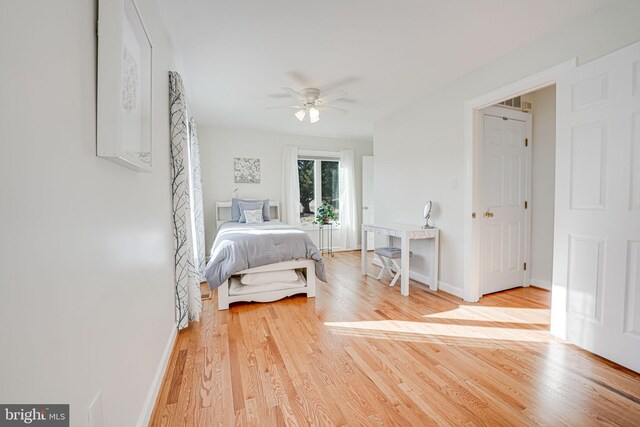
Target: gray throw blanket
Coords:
[(240, 246)]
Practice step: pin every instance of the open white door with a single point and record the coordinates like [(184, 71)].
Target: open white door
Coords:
[(367, 197), (596, 277), (505, 185)]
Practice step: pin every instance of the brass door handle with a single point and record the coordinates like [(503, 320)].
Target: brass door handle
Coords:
[(488, 214)]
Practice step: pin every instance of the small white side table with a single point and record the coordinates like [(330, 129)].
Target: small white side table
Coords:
[(328, 247)]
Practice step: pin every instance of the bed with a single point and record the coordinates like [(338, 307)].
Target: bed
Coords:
[(245, 249)]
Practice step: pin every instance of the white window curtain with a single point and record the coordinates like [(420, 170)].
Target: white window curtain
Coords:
[(187, 283), (197, 213), (290, 187), (348, 215)]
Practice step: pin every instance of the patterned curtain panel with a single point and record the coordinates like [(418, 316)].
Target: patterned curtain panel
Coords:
[(188, 299), (196, 198)]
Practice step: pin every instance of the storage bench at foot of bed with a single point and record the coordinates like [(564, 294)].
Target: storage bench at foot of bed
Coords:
[(306, 266)]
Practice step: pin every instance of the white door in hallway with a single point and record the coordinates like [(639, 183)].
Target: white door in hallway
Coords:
[(504, 188), (596, 273), (367, 197)]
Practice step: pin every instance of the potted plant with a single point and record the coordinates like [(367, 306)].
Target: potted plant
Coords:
[(325, 214)]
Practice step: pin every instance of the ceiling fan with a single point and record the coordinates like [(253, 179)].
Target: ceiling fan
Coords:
[(310, 103)]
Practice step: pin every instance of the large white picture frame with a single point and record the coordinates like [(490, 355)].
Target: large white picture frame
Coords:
[(124, 86)]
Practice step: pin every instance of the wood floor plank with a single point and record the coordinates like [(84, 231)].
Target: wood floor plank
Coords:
[(360, 354)]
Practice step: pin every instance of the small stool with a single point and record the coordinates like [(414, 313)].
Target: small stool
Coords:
[(388, 257)]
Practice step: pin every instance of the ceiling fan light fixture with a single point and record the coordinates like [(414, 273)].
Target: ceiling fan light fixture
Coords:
[(314, 115), (300, 115), (309, 103)]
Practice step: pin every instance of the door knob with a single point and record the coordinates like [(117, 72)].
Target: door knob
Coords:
[(488, 214), (364, 208)]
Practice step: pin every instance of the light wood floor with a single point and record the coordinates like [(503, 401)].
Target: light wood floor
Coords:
[(361, 354)]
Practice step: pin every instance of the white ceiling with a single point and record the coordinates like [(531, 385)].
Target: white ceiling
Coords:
[(237, 54)]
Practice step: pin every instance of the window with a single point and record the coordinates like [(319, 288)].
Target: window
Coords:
[(319, 183)]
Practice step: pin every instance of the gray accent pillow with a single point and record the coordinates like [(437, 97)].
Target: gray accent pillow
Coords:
[(249, 206), (236, 213)]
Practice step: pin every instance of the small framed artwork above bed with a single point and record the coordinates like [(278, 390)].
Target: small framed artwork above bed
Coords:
[(262, 261)]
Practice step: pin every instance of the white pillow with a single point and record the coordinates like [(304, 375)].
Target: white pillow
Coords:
[(253, 217), (269, 277)]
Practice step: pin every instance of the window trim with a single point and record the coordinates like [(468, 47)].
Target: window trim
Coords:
[(318, 156)]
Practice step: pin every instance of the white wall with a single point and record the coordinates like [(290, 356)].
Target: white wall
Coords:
[(543, 163), (86, 262), (219, 146), (420, 148)]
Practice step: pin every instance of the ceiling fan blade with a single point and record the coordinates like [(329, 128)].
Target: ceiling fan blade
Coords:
[(335, 109), (293, 93), (278, 107), (300, 79), (333, 96), (336, 84)]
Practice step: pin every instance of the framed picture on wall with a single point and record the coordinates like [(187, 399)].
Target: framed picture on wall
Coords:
[(246, 171), (124, 85)]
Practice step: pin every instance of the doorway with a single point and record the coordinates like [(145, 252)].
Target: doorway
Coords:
[(473, 208), (517, 188)]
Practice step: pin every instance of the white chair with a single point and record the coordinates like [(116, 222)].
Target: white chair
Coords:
[(388, 257)]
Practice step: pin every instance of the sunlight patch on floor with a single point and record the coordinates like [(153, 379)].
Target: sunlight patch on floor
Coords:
[(405, 330), (495, 314)]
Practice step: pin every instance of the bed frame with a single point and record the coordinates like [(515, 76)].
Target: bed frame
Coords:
[(223, 212), (307, 266), (309, 270)]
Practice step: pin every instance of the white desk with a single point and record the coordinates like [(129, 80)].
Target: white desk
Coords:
[(405, 233)]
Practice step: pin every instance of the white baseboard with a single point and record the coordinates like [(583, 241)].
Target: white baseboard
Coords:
[(544, 284), (442, 286), (425, 280), (420, 278), (450, 289), (341, 249), (152, 394)]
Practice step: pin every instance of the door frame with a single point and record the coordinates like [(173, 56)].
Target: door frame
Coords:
[(511, 114), (472, 136), (372, 161)]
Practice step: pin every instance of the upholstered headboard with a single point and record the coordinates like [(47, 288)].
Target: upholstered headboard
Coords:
[(223, 211)]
